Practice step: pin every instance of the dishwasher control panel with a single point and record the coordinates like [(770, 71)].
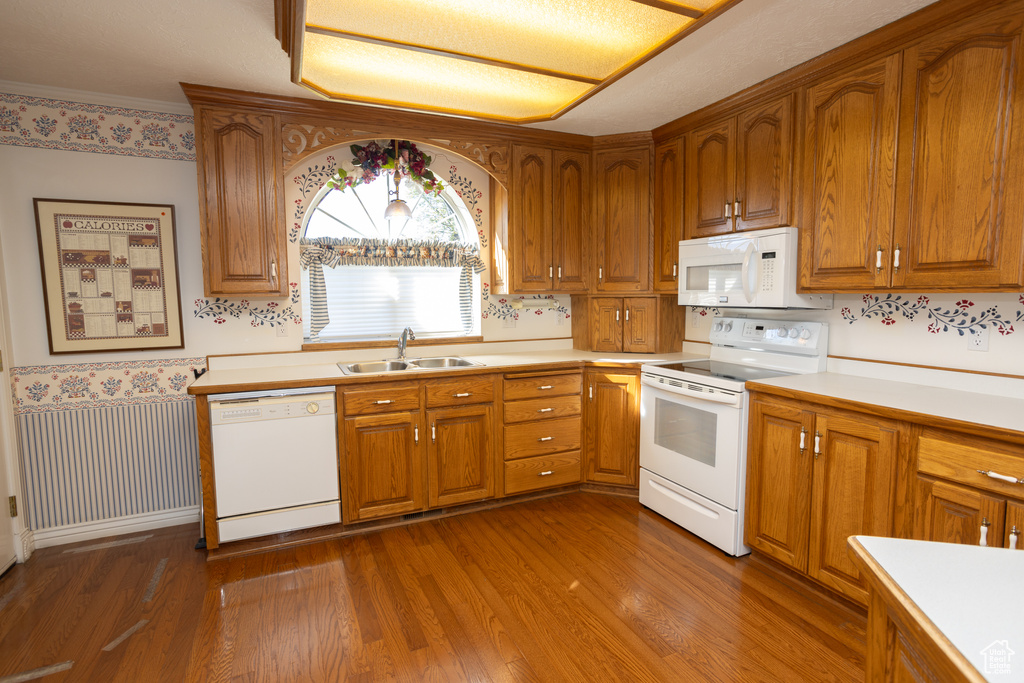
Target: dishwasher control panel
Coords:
[(271, 408)]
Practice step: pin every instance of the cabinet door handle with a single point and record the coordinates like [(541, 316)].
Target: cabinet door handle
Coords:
[(1014, 535), (736, 209), (896, 259), (591, 392), (616, 315), (559, 272), (545, 438), (384, 402), (551, 271), (273, 270), (728, 210), (545, 410), (817, 444), (1001, 477), (878, 259), (675, 270), (545, 386), (433, 433), (803, 437), (463, 395), (600, 273), (627, 315), (984, 531), (545, 473), (416, 434)]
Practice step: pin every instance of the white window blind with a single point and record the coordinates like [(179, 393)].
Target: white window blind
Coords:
[(378, 302)]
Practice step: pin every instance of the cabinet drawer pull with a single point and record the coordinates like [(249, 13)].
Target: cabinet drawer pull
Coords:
[(984, 531), (1014, 535), (545, 386), (545, 410), (462, 395), (384, 402), (545, 438), (1000, 477), (545, 473)]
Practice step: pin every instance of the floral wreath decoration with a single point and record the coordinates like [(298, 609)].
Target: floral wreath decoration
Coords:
[(401, 157)]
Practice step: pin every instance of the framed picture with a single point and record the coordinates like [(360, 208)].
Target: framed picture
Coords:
[(110, 276)]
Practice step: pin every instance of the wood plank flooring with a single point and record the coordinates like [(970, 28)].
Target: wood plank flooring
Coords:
[(578, 587)]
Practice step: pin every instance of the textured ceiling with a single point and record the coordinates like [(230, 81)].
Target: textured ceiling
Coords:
[(143, 48)]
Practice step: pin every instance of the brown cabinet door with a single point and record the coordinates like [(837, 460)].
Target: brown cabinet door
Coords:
[(612, 415), (640, 325), (1014, 526), (951, 513), (241, 203), (960, 214), (529, 220), (850, 179), (571, 227), (383, 466), (606, 324), (764, 166), (779, 481), (460, 455), (852, 493), (711, 179), (668, 213), (623, 220)]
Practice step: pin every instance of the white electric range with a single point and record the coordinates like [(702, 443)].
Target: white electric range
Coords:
[(693, 422)]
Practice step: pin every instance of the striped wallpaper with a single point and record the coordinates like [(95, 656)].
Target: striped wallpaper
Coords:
[(91, 464)]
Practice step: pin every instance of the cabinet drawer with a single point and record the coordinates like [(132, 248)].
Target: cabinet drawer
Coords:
[(542, 472), (538, 438), (384, 398), (543, 385), (460, 391), (960, 462), (542, 409)]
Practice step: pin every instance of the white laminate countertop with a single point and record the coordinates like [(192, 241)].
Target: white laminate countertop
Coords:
[(974, 595), (1006, 412), (329, 373)]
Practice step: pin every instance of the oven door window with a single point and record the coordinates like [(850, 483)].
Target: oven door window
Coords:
[(686, 430)]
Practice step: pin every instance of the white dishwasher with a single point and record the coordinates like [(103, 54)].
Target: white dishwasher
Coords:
[(275, 461)]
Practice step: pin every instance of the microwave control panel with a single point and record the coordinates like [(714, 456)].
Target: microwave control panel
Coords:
[(788, 336)]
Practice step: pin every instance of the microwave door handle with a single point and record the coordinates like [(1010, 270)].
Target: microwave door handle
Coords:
[(745, 279)]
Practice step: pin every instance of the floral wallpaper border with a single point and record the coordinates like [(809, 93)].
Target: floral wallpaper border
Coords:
[(44, 388), (959, 317), (27, 121), (269, 313)]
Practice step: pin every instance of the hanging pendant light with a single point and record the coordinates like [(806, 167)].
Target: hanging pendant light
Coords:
[(397, 208)]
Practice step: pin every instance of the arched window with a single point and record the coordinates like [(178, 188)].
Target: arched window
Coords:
[(368, 278)]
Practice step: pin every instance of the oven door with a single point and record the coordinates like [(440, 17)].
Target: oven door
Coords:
[(693, 441)]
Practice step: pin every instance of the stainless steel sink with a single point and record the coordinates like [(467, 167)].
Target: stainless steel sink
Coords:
[(373, 366), (442, 362)]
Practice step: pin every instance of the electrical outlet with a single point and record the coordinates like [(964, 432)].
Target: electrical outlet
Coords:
[(977, 340), (282, 330)]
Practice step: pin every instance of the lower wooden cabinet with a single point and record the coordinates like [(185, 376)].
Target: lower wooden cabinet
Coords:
[(815, 477), (383, 471), (612, 423), (957, 500), (460, 455)]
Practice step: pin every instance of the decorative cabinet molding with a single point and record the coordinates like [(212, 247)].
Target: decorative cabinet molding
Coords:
[(740, 171), (934, 200), (622, 220), (241, 203), (668, 212)]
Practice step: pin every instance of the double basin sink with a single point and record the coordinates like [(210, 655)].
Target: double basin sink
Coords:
[(402, 365)]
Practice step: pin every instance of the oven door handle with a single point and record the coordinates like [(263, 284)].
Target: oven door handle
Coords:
[(718, 397)]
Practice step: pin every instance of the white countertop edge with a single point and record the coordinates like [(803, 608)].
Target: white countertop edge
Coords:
[(972, 594)]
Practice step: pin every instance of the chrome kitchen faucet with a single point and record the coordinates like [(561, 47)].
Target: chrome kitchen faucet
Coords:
[(407, 334)]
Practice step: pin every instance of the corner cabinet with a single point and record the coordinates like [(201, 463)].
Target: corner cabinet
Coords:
[(914, 166), (623, 220), (241, 202), (815, 477), (740, 171), (612, 426), (637, 324), (549, 207)]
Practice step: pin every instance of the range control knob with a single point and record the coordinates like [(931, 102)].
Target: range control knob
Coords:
[(312, 407), (782, 331), (727, 327), (717, 327), (805, 334), (793, 332)]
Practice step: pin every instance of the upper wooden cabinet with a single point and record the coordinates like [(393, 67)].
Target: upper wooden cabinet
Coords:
[(241, 203), (668, 213), (623, 220), (740, 171), (549, 202), (914, 166)]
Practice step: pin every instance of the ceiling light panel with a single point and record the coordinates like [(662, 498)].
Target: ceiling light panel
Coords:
[(590, 38), (353, 70)]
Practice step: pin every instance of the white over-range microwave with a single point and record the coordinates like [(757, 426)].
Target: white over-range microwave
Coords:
[(755, 269)]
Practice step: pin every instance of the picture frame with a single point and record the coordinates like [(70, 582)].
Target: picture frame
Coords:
[(110, 275)]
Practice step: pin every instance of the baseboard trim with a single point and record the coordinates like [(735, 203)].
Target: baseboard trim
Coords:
[(87, 531)]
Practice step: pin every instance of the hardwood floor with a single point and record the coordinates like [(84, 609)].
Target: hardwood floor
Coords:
[(578, 587)]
